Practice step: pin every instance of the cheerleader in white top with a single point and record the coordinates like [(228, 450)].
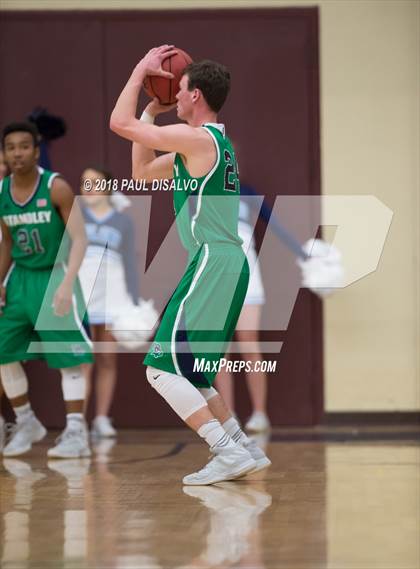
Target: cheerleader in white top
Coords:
[(109, 280), (322, 272)]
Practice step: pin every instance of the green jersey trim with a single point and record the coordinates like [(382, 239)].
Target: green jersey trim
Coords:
[(181, 307), (9, 272), (76, 315), (206, 179), (51, 179), (31, 196)]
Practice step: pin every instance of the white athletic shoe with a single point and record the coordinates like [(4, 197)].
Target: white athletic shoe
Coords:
[(72, 443), (258, 422), (102, 427), (23, 434), (227, 464), (257, 453)]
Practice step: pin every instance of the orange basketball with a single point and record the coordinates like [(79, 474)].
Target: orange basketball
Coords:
[(166, 89)]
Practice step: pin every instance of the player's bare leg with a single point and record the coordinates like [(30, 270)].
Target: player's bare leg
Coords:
[(73, 442), (225, 386), (231, 460), (88, 372)]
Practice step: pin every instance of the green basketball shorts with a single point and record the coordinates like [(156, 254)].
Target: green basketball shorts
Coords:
[(201, 316), (30, 330)]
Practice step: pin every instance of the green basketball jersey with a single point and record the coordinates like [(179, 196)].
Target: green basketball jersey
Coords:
[(36, 227), (207, 208)]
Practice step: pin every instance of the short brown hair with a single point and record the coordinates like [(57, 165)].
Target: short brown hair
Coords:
[(213, 80)]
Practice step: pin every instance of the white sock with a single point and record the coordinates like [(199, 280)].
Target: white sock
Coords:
[(23, 412), (214, 435), (75, 419), (233, 428)]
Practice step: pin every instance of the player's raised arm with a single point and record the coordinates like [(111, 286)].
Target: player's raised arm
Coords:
[(145, 164)]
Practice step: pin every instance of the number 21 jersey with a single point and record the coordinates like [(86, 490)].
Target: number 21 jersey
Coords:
[(36, 227)]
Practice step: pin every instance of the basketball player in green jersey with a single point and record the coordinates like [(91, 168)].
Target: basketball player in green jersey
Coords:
[(40, 297), (3, 173), (201, 315)]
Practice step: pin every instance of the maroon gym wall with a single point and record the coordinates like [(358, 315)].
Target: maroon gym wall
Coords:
[(75, 64)]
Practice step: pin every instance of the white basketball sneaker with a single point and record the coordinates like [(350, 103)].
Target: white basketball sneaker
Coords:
[(72, 443), (261, 459), (258, 422), (102, 427), (23, 434), (227, 464)]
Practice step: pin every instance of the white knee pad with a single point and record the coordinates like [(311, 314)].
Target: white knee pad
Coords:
[(208, 392), (178, 392), (73, 383), (14, 380)]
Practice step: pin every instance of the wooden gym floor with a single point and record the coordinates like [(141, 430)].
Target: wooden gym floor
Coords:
[(333, 498)]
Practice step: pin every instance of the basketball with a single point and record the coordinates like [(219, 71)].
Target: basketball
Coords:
[(166, 89)]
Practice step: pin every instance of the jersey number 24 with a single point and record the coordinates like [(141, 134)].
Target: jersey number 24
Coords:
[(231, 173)]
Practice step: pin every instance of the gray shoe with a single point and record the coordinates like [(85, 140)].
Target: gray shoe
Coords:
[(102, 427), (261, 459), (227, 464), (257, 423), (23, 434), (72, 443)]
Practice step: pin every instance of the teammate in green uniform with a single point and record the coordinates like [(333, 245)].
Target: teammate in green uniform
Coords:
[(40, 298), (201, 315)]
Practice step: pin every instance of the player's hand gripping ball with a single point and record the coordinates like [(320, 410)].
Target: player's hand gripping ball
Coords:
[(163, 88)]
